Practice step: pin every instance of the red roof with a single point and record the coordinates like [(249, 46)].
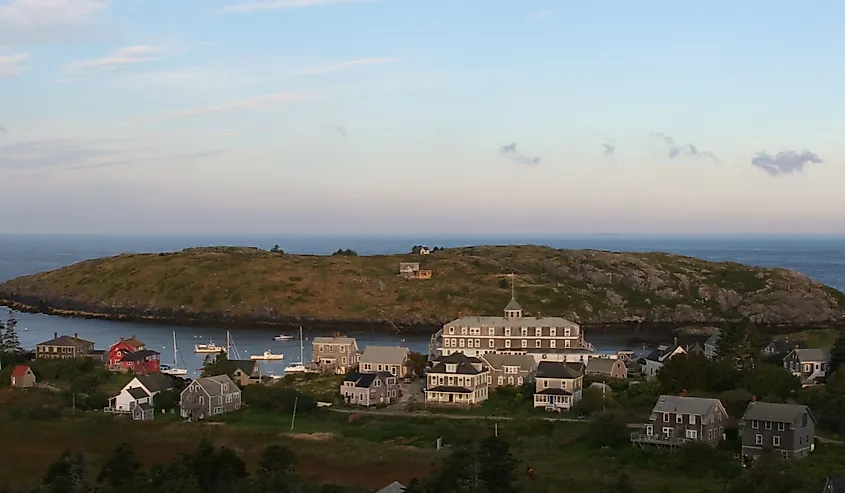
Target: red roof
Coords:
[(20, 371)]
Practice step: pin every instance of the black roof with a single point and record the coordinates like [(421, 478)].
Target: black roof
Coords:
[(554, 369), (661, 351), (551, 391), (138, 393), (456, 390), (245, 365), (464, 364), (365, 380), (784, 346), (140, 355), (156, 382)]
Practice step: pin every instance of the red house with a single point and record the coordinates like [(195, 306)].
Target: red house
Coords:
[(132, 354)]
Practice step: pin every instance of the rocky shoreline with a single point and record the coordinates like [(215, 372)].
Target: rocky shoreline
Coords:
[(638, 331)]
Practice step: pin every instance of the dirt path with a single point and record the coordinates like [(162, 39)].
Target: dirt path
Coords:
[(828, 440)]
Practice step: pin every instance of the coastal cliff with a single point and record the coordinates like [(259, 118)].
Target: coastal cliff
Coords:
[(239, 285)]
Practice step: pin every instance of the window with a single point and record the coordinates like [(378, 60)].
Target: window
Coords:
[(510, 380), (679, 418), (379, 367), (519, 380), (545, 384), (755, 424), (649, 430), (343, 360), (566, 343), (451, 330), (781, 426), (693, 434), (553, 332), (710, 433), (507, 331), (463, 330), (478, 343), (804, 421), (462, 342), (491, 331), (342, 349), (776, 441), (566, 332), (553, 344), (538, 332), (229, 398), (692, 419), (501, 380), (492, 343), (525, 343), (524, 331), (768, 425), (538, 343), (236, 395), (758, 439), (507, 343), (202, 399), (667, 431), (665, 417), (784, 454)]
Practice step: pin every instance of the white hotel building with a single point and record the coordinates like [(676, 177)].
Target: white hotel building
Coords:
[(545, 338)]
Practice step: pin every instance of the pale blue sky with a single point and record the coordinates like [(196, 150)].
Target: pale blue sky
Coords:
[(397, 116)]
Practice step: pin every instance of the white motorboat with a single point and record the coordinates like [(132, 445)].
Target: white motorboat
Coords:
[(282, 337), (298, 366), (173, 369), (267, 355), (208, 348)]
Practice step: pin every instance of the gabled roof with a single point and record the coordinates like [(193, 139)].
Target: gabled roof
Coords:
[(601, 365), (66, 341), (554, 391), (687, 405), (785, 345), (245, 365), (334, 340), (391, 355), (214, 385), (661, 352), (464, 364), (811, 355), (779, 413), (525, 362), (156, 382), (394, 487), (19, 371), (137, 393), (555, 369), (140, 355), (132, 341), (365, 380)]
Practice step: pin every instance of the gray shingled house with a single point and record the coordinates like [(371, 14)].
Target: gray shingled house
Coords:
[(676, 420), (457, 380), (558, 386), (209, 396), (607, 368), (787, 428), (392, 359), (510, 369), (246, 372), (809, 365), (369, 389), (336, 354)]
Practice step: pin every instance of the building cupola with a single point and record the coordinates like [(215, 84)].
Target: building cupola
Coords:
[(513, 310)]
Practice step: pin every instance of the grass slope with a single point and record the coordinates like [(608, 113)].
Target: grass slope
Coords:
[(583, 285)]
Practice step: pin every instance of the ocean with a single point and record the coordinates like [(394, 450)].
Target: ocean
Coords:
[(819, 257)]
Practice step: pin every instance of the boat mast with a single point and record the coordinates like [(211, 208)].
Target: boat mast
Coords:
[(301, 351), (228, 345), (175, 362)]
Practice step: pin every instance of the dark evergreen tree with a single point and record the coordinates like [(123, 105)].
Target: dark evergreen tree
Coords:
[(740, 345), (9, 334), (837, 353), (277, 471), (497, 467), (623, 484), (121, 470), (66, 475)]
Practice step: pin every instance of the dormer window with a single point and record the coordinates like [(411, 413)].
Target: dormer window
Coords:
[(451, 368)]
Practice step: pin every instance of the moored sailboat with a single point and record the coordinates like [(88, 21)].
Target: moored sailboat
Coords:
[(173, 369)]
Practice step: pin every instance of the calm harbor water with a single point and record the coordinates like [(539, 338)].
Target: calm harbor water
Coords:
[(822, 258)]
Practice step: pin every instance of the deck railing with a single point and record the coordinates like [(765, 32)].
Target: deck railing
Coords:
[(639, 437)]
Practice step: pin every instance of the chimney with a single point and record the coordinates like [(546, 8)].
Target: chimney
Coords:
[(676, 340), (121, 339), (75, 336), (753, 398), (55, 335), (539, 315), (684, 393), (460, 314)]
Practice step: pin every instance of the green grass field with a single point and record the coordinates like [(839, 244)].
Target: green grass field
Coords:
[(816, 338)]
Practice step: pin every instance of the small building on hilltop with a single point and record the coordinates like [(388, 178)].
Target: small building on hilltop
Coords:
[(676, 420), (558, 386), (22, 377), (411, 270), (788, 429), (64, 347), (336, 354), (370, 389)]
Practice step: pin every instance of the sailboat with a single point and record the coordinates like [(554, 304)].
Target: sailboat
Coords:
[(298, 366), (174, 369)]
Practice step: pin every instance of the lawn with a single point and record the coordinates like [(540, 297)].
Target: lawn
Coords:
[(815, 338)]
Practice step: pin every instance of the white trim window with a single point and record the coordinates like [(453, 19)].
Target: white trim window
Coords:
[(665, 417), (776, 441), (649, 430), (758, 439), (692, 434), (679, 418)]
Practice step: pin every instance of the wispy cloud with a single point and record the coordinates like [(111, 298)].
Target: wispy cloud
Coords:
[(536, 16), (516, 156), (266, 5), (676, 150), (129, 162), (340, 129), (347, 65), (13, 64), (784, 163), (608, 149), (128, 55), (50, 153), (44, 13), (257, 102)]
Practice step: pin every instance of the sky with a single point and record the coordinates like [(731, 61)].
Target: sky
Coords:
[(421, 116)]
